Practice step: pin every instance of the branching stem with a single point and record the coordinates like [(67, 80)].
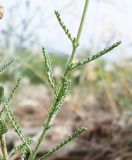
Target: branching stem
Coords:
[(80, 29), (52, 116)]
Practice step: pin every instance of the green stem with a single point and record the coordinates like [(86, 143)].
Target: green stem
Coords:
[(51, 117), (80, 29), (3, 147), (43, 134), (42, 137)]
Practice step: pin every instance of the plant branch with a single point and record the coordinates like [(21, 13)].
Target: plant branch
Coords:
[(3, 147), (41, 138), (80, 30), (52, 116), (63, 143)]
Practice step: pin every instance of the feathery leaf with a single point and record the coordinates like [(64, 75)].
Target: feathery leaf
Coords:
[(66, 30), (14, 89), (67, 140), (49, 70), (15, 125), (25, 149), (3, 127), (11, 116), (59, 97), (5, 66), (20, 147), (11, 94), (1, 93), (106, 50)]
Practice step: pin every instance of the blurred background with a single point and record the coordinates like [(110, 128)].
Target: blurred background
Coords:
[(101, 94)]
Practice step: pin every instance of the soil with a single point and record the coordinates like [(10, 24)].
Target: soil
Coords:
[(108, 137)]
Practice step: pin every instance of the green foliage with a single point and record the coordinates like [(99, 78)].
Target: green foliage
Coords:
[(49, 70), (3, 127), (13, 90), (60, 91), (21, 147), (4, 67), (66, 30), (15, 125), (34, 69), (25, 149), (11, 94), (63, 143), (59, 96), (85, 61), (11, 118), (1, 93)]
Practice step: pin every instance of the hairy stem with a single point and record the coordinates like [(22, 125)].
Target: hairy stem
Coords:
[(3, 147), (41, 138), (80, 29), (51, 117)]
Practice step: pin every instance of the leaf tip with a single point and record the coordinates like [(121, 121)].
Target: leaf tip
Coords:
[(118, 43)]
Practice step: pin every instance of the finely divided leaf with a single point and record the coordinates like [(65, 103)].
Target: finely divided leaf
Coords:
[(59, 97), (11, 94), (5, 66), (66, 30), (67, 140), (3, 127), (15, 125), (49, 70), (11, 116), (1, 93), (20, 147), (106, 50), (14, 89), (25, 149)]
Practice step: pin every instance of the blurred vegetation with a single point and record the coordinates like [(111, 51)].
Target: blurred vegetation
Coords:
[(109, 82)]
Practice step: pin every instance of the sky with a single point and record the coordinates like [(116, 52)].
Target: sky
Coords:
[(107, 21)]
